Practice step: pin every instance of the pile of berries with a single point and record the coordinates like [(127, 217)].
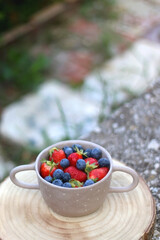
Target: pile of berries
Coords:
[(74, 166)]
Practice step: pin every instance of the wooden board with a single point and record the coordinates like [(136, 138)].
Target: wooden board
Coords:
[(124, 216)]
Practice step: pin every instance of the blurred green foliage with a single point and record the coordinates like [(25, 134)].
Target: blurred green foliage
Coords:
[(93, 9), (20, 69), (15, 12)]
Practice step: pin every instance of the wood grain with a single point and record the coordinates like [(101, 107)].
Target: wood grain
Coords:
[(124, 216)]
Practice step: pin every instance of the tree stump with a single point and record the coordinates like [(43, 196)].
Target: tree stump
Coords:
[(123, 216)]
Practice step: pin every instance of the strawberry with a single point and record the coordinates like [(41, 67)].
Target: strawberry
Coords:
[(76, 174), (91, 163), (73, 157), (47, 168), (98, 174), (56, 155)]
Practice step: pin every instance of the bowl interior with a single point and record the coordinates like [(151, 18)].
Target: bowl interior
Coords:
[(85, 144)]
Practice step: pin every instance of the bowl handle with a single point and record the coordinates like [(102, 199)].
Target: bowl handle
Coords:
[(129, 187), (19, 183)]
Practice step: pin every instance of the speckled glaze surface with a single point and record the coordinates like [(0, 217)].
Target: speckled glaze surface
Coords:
[(74, 202)]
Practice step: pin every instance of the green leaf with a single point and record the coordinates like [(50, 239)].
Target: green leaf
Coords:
[(44, 160), (85, 154), (75, 183), (79, 151), (90, 167), (52, 150), (51, 168), (52, 164), (94, 180)]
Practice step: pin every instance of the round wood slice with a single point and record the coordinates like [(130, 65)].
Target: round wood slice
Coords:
[(24, 214)]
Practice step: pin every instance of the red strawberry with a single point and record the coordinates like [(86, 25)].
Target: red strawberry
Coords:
[(56, 155), (91, 163), (98, 174), (76, 174), (73, 157), (46, 169)]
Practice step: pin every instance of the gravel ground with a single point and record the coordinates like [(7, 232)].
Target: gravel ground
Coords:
[(132, 135)]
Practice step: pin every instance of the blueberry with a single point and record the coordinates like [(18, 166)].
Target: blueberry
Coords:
[(104, 162), (75, 146), (67, 151), (57, 182), (67, 185), (66, 177), (96, 153), (58, 174), (87, 153), (64, 163), (88, 182), (48, 179), (81, 164)]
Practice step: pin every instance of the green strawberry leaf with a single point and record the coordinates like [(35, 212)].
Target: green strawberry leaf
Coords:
[(76, 148), (44, 160), (85, 154), (52, 164), (75, 183), (49, 163), (51, 169), (79, 151), (52, 150), (90, 167), (94, 179)]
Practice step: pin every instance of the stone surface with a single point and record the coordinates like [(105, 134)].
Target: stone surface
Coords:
[(154, 145), (128, 74), (132, 135)]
